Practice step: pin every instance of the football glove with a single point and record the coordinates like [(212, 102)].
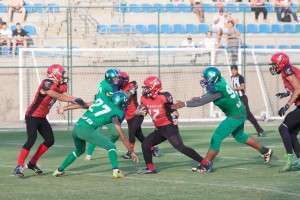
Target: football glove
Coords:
[(283, 94), (79, 101), (283, 110)]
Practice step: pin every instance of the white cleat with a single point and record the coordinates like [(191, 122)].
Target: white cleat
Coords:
[(88, 157), (268, 156), (58, 173)]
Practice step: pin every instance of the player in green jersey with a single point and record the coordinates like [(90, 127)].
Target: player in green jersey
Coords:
[(220, 93), (105, 89), (101, 112)]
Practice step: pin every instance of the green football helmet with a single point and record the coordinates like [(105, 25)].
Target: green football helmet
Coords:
[(120, 99), (211, 75), (112, 76)]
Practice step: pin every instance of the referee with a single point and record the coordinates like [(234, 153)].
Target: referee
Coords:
[(238, 84)]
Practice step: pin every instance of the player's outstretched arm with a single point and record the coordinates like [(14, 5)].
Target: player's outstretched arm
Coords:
[(72, 106), (196, 102), (123, 138), (64, 97)]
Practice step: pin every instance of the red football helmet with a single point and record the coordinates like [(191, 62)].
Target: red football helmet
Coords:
[(278, 62), (124, 78), (152, 86), (57, 72)]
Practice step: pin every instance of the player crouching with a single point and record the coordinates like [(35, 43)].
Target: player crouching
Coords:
[(219, 92), (51, 89), (158, 105)]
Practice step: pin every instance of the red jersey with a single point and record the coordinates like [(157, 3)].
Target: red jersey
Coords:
[(290, 70), (159, 108), (132, 101), (42, 103)]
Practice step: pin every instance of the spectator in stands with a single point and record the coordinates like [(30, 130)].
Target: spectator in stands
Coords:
[(288, 10), (188, 42), (210, 43), (20, 37), (5, 35), (16, 6), (198, 10), (232, 40), (258, 6)]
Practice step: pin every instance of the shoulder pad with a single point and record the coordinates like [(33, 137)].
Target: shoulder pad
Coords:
[(47, 84)]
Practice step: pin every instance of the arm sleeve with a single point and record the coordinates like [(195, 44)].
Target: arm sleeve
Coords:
[(288, 71), (241, 79), (205, 99), (169, 102)]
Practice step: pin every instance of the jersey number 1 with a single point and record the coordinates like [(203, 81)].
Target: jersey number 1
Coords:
[(99, 103)]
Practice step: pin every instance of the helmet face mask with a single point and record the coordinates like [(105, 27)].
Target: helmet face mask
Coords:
[(273, 69), (278, 62), (152, 86), (112, 76), (57, 73), (211, 75), (146, 91)]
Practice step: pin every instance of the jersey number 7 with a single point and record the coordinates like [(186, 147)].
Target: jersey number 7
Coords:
[(99, 104), (154, 113)]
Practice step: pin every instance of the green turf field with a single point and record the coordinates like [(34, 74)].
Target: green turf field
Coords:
[(239, 173)]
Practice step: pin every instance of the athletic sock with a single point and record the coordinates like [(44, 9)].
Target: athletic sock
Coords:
[(204, 162), (39, 152), (151, 166), (113, 157), (22, 156), (68, 161), (90, 149)]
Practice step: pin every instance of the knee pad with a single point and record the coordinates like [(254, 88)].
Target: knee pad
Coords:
[(241, 138)]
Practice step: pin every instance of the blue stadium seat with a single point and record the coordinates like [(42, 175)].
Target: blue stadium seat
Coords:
[(171, 46), (269, 7), (209, 7), (289, 28), (231, 7), (276, 28), (3, 8), (135, 8), (102, 28), (53, 8), (270, 46), (252, 28), (29, 8), (179, 29), (283, 46), (203, 28), (240, 28), (244, 7), (158, 7), (297, 28), (259, 46), (192, 29), (123, 8), (264, 28), (31, 30), (148, 8), (141, 28), (127, 28), (166, 29), (152, 29), (183, 7), (39, 8), (114, 28), (169, 7), (295, 46)]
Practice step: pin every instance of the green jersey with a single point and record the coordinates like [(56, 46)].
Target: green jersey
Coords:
[(101, 113), (105, 90), (230, 102)]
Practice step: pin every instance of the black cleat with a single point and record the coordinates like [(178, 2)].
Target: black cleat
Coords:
[(19, 171), (156, 151), (127, 156), (147, 171), (203, 169), (261, 134), (35, 169)]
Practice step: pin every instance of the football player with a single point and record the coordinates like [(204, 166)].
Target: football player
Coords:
[(289, 128), (158, 105), (101, 112), (50, 89), (134, 121), (106, 88), (219, 92)]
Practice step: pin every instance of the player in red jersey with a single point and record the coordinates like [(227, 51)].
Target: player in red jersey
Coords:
[(291, 124), (158, 105), (51, 89)]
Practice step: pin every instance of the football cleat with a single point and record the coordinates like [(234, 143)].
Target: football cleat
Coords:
[(147, 171), (268, 156), (296, 164), (88, 157), (261, 134), (117, 174), (203, 168), (156, 151), (34, 168), (19, 171), (58, 173), (288, 164), (127, 156)]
